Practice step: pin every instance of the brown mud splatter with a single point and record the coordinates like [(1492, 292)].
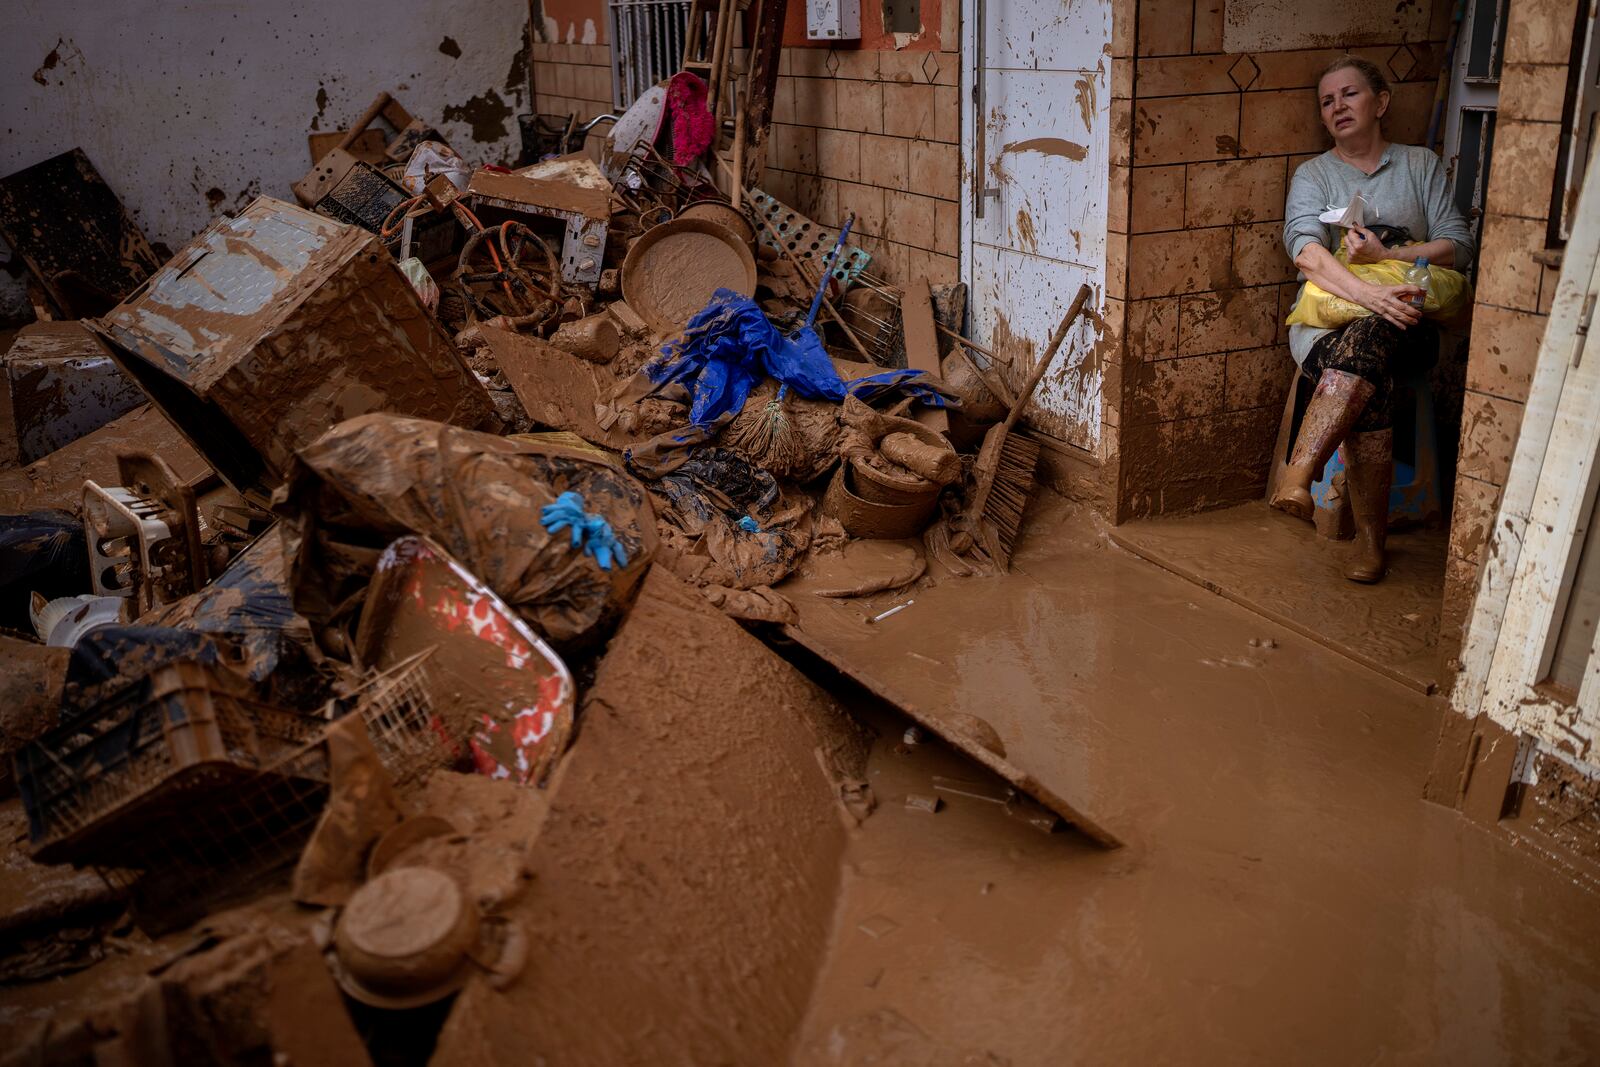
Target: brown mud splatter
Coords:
[(50, 62), (517, 74), (1049, 146), (322, 106), (1085, 92), (449, 47), (486, 113), (1027, 240)]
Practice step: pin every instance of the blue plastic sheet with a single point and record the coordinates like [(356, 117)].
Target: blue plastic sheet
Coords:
[(730, 345)]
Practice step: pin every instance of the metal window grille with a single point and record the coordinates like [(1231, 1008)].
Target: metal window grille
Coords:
[(1474, 98), (647, 39), (1486, 41)]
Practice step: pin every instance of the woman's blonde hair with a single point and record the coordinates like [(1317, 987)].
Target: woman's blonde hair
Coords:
[(1368, 70)]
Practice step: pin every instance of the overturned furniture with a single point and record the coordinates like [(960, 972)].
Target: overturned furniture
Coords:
[(276, 325)]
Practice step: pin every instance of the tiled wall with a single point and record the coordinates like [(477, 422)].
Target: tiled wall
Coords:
[(1514, 291), (1214, 137), (572, 79), (875, 132)]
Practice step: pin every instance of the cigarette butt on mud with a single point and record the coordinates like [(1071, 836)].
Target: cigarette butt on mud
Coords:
[(897, 608)]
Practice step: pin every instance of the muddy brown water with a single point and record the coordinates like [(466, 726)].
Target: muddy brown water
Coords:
[(1284, 895)]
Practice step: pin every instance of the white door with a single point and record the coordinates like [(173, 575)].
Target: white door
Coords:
[(1035, 142)]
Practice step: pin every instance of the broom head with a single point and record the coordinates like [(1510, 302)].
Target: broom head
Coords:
[(1009, 462)]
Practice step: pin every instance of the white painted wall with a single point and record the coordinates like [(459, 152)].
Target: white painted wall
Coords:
[(173, 100)]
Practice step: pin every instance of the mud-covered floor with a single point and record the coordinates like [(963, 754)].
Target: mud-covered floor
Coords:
[(1278, 566), (1285, 894)]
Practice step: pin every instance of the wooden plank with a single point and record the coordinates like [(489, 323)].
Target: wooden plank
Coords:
[(1487, 776), (1556, 524), (762, 88), (958, 740), (922, 346), (556, 388), (369, 145)]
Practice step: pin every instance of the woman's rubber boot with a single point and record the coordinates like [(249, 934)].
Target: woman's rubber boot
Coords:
[(1339, 398), (1369, 471)]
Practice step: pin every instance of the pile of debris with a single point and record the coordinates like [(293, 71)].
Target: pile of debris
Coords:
[(337, 527)]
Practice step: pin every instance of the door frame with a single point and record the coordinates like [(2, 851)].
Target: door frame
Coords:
[(1545, 510)]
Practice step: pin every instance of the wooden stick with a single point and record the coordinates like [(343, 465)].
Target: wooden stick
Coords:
[(995, 385), (360, 124), (762, 80), (1026, 392), (948, 332), (738, 158), (719, 56)]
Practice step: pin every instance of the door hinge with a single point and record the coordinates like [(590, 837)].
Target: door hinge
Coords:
[(1580, 334)]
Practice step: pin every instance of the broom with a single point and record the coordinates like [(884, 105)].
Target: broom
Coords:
[(1003, 476), (772, 433)]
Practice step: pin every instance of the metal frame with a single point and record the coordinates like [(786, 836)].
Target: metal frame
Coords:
[(1476, 94), (1578, 138), (647, 39)]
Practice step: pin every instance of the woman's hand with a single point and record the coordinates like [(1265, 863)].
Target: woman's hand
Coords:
[(1392, 302), (1361, 245)]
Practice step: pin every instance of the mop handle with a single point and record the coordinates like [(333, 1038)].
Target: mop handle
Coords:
[(827, 271)]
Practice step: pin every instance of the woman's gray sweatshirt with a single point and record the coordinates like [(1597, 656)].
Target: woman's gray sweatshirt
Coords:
[(1408, 189)]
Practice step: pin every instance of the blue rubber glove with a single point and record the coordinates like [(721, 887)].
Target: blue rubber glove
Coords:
[(592, 532)]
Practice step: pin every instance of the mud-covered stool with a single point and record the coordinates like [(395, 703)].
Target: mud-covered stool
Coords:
[(1416, 497)]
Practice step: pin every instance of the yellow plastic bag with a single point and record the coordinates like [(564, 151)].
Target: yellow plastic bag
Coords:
[(1448, 295)]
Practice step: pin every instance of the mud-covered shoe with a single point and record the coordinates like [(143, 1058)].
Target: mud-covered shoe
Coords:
[(1369, 472), (1334, 407)]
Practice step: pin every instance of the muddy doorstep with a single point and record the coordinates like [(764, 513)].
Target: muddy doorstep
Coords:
[(682, 907)]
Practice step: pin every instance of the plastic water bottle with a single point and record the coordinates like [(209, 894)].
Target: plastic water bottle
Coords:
[(1417, 275)]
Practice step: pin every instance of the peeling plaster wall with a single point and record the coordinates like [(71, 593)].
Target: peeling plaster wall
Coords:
[(193, 109)]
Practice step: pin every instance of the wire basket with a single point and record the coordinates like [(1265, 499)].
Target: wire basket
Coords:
[(413, 738), (872, 311), (191, 790), (146, 756)]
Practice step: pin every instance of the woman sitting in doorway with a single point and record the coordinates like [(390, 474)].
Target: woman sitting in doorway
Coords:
[(1411, 216)]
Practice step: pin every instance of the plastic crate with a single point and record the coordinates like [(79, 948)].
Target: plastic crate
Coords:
[(178, 762)]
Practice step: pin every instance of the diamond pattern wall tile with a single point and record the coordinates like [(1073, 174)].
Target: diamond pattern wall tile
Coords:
[(1402, 63), (1244, 72)]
